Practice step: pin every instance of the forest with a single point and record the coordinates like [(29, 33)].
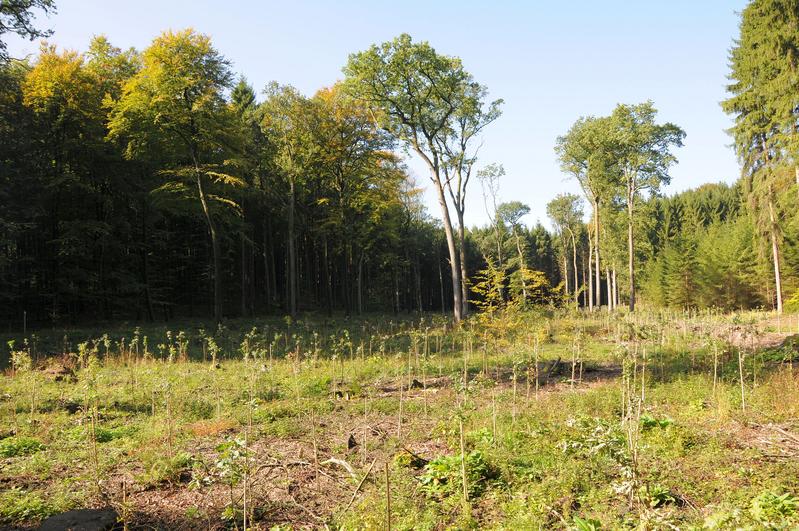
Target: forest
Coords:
[(230, 307)]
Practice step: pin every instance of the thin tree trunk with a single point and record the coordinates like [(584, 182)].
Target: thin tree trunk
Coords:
[(615, 290), (566, 275), (596, 244), (148, 301), (522, 264), (775, 252), (590, 273), (396, 292), (244, 279), (457, 295), (574, 266), (292, 259), (585, 294), (267, 245), (610, 295), (441, 283), (360, 284), (217, 259), (462, 255), (631, 249), (418, 282), (328, 279)]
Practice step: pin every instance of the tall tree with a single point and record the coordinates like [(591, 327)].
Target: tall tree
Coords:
[(418, 95), (764, 64), (287, 121), (566, 213), (511, 213), (176, 101), (642, 153), (585, 154), (489, 180), (460, 148)]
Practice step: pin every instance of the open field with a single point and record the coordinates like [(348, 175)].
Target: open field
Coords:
[(521, 421)]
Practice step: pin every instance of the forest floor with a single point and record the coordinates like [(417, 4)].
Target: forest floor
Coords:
[(523, 421)]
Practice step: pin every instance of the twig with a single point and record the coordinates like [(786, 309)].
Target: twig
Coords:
[(357, 490)]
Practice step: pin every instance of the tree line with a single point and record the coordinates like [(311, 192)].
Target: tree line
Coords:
[(157, 183), (147, 184)]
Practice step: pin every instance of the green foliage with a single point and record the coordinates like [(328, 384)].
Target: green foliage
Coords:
[(18, 505), (19, 446), (775, 511), (766, 511), (442, 476), (104, 435), (649, 422), (657, 496), (586, 524)]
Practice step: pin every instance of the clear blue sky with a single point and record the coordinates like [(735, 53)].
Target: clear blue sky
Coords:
[(551, 63)]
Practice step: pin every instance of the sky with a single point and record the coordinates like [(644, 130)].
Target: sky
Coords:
[(551, 62)]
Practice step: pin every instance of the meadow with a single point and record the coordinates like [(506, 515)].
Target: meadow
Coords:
[(516, 420)]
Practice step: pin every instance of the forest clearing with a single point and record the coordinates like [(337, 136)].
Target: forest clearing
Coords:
[(377, 294), (656, 420)]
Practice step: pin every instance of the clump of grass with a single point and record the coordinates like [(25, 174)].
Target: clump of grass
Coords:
[(163, 469)]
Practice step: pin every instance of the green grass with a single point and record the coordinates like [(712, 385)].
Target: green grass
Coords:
[(570, 455)]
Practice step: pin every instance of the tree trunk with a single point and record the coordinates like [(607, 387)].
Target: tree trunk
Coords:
[(148, 301), (441, 283), (566, 275), (328, 279), (418, 283), (590, 273), (244, 278), (267, 269), (457, 294), (597, 269), (607, 281), (631, 249), (775, 252), (462, 255), (292, 259), (615, 290), (396, 292), (360, 284), (216, 257), (522, 264), (574, 266), (585, 293)]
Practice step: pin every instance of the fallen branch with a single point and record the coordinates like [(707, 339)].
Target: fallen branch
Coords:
[(357, 490), (341, 463)]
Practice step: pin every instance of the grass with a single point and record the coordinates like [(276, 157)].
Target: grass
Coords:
[(302, 422)]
